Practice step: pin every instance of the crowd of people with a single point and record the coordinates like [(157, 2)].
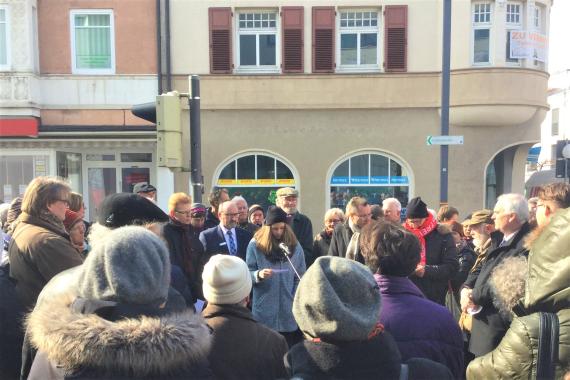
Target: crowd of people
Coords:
[(236, 291)]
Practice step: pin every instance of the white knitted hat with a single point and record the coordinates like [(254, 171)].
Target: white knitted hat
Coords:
[(226, 280)]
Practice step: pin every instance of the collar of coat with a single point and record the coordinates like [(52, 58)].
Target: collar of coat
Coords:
[(135, 346), (26, 218), (214, 310)]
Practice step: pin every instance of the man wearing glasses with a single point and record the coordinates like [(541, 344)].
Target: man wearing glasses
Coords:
[(344, 242), (225, 237)]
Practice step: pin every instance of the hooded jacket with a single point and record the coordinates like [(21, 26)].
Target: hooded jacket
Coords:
[(75, 345), (547, 290)]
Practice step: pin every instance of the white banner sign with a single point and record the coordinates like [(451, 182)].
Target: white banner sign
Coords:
[(529, 45)]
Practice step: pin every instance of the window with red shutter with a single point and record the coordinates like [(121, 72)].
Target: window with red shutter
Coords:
[(323, 39), (395, 37), (359, 34), (292, 23), (220, 20), (257, 44)]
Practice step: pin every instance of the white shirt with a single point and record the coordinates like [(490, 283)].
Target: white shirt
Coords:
[(508, 237), (227, 239)]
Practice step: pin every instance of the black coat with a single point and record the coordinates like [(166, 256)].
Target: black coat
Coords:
[(489, 326), (377, 358), (186, 252), (441, 265), (321, 246), (211, 219), (11, 330), (340, 238), (303, 229), (214, 242)]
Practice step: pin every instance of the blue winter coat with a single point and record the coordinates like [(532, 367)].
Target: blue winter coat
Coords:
[(421, 328), (272, 302)]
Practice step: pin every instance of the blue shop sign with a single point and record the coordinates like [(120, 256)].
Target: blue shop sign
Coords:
[(359, 180), (399, 180), (339, 180), (379, 180)]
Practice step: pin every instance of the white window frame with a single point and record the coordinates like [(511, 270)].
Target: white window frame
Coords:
[(537, 18), (72, 15), (258, 31), (8, 65), (359, 30), (480, 26), (513, 26)]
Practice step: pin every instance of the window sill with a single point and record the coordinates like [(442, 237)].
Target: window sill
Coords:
[(357, 70), (93, 72), (257, 70)]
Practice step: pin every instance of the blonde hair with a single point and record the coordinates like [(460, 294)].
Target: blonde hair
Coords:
[(265, 242), (43, 191), (353, 204), (334, 212), (178, 198)]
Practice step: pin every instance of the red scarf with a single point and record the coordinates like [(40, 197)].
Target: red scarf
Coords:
[(428, 226)]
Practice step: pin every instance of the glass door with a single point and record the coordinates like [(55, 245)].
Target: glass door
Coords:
[(100, 182)]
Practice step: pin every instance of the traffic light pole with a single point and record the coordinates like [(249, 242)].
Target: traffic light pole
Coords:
[(444, 152), (196, 178)]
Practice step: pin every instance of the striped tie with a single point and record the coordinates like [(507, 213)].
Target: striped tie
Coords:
[(232, 243)]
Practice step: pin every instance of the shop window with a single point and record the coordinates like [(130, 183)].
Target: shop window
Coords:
[(256, 177), (372, 176), (16, 171), (69, 167)]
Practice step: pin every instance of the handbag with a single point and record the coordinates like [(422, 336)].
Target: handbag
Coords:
[(548, 334)]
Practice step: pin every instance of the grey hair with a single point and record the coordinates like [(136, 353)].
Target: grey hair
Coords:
[(514, 203), (334, 211), (238, 198), (388, 201)]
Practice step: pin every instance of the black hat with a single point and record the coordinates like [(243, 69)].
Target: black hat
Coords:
[(275, 215), (123, 209), (416, 209), (143, 187)]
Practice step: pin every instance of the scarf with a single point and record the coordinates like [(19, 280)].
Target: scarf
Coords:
[(428, 226), (276, 255), (54, 221), (187, 255), (353, 248)]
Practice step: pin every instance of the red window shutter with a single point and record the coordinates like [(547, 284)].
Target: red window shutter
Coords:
[(293, 22), (220, 40), (323, 39), (396, 38)]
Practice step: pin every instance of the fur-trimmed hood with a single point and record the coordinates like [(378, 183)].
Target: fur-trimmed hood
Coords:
[(136, 347), (508, 282)]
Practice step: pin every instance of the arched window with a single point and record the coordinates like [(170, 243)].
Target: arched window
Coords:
[(370, 175), (256, 177)]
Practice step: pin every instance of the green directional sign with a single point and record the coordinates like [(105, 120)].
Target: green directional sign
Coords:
[(444, 140)]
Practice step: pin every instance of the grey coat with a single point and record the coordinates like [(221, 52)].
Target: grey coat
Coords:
[(273, 297)]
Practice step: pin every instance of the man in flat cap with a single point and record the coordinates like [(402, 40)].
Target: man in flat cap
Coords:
[(287, 201), (146, 190)]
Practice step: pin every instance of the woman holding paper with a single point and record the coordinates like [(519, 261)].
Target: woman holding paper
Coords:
[(276, 261)]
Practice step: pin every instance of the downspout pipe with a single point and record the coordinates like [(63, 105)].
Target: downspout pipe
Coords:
[(167, 32), (159, 46)]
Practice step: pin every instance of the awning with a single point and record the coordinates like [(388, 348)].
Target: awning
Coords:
[(26, 127), (533, 154), (541, 178)]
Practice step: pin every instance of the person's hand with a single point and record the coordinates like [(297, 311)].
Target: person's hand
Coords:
[(466, 300), (420, 270), (265, 273)]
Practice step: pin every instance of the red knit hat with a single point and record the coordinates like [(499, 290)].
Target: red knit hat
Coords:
[(71, 218)]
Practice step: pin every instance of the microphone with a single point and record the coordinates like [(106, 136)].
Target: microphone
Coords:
[(287, 253)]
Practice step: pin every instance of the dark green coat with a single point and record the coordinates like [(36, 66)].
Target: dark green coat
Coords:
[(547, 290)]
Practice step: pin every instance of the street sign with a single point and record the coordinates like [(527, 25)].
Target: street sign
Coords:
[(444, 140)]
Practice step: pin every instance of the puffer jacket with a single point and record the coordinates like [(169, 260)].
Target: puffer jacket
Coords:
[(547, 290)]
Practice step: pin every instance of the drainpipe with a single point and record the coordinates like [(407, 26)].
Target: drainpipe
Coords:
[(167, 19), (159, 46)]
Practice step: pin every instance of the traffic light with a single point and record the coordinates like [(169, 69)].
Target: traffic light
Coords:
[(561, 161), (166, 114)]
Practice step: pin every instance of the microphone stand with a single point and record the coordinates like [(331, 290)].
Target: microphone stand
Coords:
[(286, 252)]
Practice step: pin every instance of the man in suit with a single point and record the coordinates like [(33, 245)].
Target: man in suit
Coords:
[(225, 237)]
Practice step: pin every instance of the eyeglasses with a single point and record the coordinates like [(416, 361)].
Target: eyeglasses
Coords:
[(64, 201), (334, 221), (187, 213)]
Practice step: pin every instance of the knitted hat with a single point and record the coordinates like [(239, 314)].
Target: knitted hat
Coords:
[(275, 215), (197, 209), (416, 209), (122, 209), (130, 266), (254, 208), (226, 280), (337, 300), (71, 218), (15, 210)]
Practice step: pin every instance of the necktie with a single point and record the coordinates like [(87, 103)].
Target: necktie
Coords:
[(232, 243)]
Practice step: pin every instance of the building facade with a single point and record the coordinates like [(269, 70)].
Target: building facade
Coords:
[(334, 98), (342, 96)]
